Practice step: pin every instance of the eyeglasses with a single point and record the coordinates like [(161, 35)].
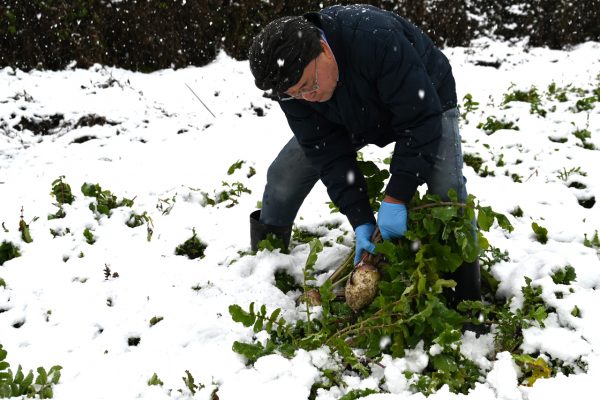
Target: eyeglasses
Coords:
[(302, 92)]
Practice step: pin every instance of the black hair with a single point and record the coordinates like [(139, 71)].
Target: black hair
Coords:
[(281, 51)]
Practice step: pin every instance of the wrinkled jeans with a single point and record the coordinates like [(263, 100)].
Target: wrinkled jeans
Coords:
[(290, 177)]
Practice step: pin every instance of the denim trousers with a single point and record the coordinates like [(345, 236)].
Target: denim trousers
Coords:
[(290, 178)]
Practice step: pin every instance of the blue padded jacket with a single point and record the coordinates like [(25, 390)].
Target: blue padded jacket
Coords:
[(394, 84)]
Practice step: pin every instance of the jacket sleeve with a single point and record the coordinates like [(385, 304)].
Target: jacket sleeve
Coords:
[(329, 149), (406, 89)]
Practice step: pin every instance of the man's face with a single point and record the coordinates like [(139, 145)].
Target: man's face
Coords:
[(319, 79)]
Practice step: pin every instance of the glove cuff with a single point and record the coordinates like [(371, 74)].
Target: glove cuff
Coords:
[(393, 206)]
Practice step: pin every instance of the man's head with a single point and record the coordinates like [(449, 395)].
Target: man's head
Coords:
[(288, 56)]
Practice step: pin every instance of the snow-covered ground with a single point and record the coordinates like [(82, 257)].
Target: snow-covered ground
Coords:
[(162, 148)]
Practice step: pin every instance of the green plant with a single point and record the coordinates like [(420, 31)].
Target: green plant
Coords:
[(532, 368), (285, 282), (231, 193), (593, 243), (517, 212), (329, 378), (136, 220), (469, 105), (565, 174), (558, 140), (488, 258), (564, 276), (155, 320), (155, 380), (375, 178), (411, 306), (282, 337), (8, 251), (450, 367), (531, 96), (238, 165), (60, 213), (303, 235), (20, 385), (492, 125), (509, 325), (108, 273), (235, 166), (165, 206), (190, 383), (492, 256), (89, 236), (486, 172), (192, 248), (473, 161), (62, 191), (541, 233), (308, 274), (24, 229), (500, 162), (584, 135), (2, 283), (585, 104), (271, 242), (63, 195), (105, 200), (557, 93)]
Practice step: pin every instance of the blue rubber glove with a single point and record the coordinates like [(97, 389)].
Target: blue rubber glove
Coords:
[(363, 235), (391, 220)]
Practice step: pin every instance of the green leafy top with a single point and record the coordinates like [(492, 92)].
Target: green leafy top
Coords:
[(105, 200)]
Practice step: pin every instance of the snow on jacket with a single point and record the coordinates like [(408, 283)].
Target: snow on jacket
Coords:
[(393, 86)]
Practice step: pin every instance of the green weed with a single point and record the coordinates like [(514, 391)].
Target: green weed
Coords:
[(564, 276), (8, 251), (541, 233), (491, 125), (594, 242), (469, 105), (285, 282), (517, 212), (565, 174), (105, 200), (532, 96), (192, 248), (474, 161), (20, 385), (155, 380)]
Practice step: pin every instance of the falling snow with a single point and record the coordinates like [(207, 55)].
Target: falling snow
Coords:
[(145, 157), (350, 177)]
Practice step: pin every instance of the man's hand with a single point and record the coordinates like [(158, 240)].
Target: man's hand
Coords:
[(392, 218), (363, 235)]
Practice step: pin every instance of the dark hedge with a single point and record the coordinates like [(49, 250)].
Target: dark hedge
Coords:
[(147, 35)]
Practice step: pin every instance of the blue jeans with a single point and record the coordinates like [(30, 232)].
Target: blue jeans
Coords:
[(290, 177)]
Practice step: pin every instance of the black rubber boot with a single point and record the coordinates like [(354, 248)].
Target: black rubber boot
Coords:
[(259, 231), (468, 282), (468, 287)]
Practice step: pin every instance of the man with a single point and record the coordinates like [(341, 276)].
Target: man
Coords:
[(345, 77)]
